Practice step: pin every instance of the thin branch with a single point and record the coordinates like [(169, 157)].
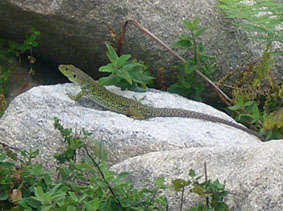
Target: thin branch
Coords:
[(182, 198), (102, 175), (195, 47), (121, 39), (205, 177), (152, 198)]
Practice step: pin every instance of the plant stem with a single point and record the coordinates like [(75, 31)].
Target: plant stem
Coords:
[(102, 175), (205, 177)]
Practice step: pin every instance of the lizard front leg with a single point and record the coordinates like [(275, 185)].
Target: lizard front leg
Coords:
[(78, 96)]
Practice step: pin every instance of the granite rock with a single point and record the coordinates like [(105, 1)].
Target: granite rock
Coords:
[(28, 123)]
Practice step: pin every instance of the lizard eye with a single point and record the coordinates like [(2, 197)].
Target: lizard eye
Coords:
[(74, 75)]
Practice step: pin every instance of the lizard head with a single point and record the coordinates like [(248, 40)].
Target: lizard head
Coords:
[(73, 74)]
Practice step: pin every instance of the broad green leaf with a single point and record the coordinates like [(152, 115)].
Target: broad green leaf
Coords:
[(136, 88), (124, 74), (107, 68), (132, 67), (71, 208), (4, 195), (235, 107), (178, 184), (159, 181), (192, 173), (101, 184), (31, 202), (195, 21), (93, 204), (200, 31), (123, 175), (122, 60), (256, 113), (241, 116), (191, 25), (73, 196), (41, 196), (111, 54), (183, 44), (34, 31), (141, 77), (110, 80), (47, 208), (190, 68), (199, 190), (249, 103), (6, 164), (240, 101), (178, 88)]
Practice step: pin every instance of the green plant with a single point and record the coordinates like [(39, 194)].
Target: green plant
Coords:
[(84, 185), (8, 51), (17, 183), (257, 97), (263, 18), (213, 192), (189, 85), (265, 116), (125, 73), (7, 169), (11, 49)]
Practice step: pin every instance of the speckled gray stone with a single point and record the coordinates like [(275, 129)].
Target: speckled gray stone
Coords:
[(252, 174), (28, 123), (75, 31)]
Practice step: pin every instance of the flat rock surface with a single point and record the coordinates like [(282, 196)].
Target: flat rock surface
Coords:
[(28, 123)]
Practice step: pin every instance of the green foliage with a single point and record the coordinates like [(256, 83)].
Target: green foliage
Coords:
[(263, 18), (8, 51), (125, 73), (19, 183), (6, 176), (257, 97), (84, 185), (4, 78), (189, 84), (11, 49), (265, 116), (214, 192)]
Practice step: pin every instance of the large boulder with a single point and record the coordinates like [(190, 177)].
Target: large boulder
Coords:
[(75, 31), (28, 123), (252, 174)]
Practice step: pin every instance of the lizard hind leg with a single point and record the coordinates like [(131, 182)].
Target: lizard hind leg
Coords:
[(135, 114)]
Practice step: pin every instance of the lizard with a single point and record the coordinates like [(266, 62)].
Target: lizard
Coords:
[(132, 108)]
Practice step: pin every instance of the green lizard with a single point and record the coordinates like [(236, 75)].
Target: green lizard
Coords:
[(129, 107)]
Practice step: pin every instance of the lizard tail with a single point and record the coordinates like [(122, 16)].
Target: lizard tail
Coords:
[(173, 112)]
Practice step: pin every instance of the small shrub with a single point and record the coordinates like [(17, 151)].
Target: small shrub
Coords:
[(86, 184), (257, 97), (125, 73), (9, 50), (189, 84), (262, 18), (213, 192)]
